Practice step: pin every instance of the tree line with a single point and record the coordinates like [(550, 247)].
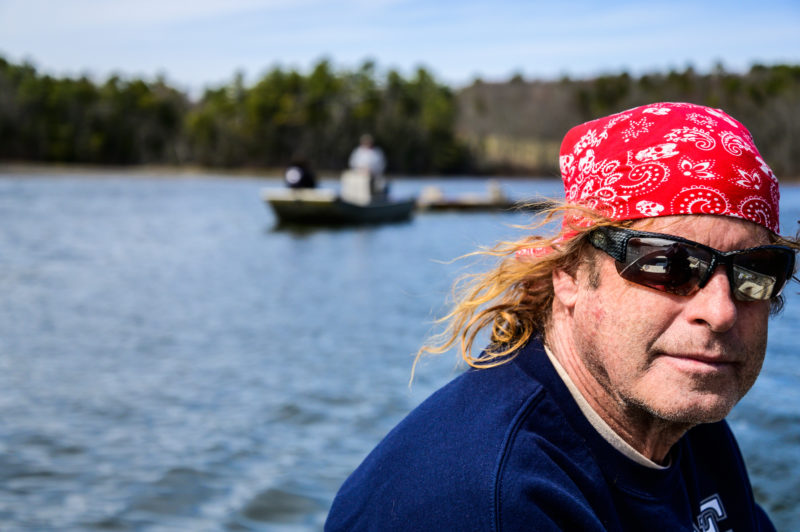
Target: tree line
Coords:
[(424, 126), (285, 116), (517, 126)]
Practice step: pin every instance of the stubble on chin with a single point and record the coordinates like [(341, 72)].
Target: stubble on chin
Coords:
[(692, 399)]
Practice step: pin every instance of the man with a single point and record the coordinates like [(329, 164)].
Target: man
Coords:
[(367, 164), (368, 157), (298, 175), (617, 348)]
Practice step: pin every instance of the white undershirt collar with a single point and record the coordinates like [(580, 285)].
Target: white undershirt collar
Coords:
[(597, 422)]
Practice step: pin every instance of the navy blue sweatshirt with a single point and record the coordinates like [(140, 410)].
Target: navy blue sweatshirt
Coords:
[(507, 448)]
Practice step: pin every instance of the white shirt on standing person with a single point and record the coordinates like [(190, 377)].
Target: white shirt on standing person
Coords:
[(368, 157)]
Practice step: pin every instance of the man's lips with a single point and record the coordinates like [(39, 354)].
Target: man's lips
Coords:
[(700, 362)]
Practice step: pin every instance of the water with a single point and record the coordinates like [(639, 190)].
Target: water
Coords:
[(169, 361)]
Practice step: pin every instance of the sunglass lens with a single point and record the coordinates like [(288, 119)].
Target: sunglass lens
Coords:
[(666, 265), (760, 274)]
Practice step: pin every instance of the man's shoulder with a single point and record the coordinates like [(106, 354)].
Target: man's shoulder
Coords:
[(490, 396), (445, 459), (470, 416)]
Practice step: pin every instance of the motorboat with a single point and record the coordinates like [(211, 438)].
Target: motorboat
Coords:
[(362, 200)]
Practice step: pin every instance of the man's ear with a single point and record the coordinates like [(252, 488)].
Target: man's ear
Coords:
[(565, 288)]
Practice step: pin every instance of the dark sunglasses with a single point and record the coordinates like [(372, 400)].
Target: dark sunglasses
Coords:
[(679, 266)]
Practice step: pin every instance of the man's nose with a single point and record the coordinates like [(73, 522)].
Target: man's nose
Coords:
[(713, 304)]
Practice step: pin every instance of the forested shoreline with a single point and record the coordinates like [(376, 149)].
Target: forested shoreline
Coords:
[(424, 126)]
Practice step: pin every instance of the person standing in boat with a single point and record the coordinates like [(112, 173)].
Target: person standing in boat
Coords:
[(369, 158)]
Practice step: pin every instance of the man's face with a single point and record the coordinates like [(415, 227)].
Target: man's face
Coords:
[(685, 359)]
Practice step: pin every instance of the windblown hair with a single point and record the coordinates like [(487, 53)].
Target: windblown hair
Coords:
[(514, 299)]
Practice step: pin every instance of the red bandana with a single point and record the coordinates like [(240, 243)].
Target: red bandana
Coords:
[(665, 159)]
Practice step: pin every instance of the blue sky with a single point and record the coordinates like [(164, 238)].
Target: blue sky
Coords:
[(202, 43)]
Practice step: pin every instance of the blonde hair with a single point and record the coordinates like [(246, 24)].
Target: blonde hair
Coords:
[(514, 299)]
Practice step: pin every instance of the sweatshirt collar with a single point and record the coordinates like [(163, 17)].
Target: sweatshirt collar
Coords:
[(598, 422)]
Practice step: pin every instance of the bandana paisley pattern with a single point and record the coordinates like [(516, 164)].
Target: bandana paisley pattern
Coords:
[(665, 159)]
